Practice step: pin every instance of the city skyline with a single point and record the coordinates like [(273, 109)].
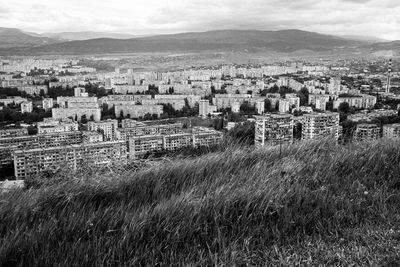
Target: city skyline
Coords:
[(338, 17)]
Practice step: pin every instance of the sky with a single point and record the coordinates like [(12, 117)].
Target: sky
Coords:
[(380, 18)]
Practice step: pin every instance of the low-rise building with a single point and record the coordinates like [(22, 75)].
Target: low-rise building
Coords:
[(391, 131), (13, 132), (31, 162)]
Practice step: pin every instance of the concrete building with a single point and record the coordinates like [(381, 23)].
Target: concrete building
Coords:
[(13, 100), (31, 162), (13, 132), (205, 108), (158, 129), (80, 92), (47, 103), (43, 140), (367, 132), (391, 131), (320, 125), (235, 106), (199, 136), (34, 89), (273, 129), (108, 128), (76, 113), (92, 137), (260, 106), (138, 111), (26, 107), (56, 126), (284, 105), (130, 123), (294, 101), (362, 101)]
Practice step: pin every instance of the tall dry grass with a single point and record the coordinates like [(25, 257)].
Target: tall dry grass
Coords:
[(241, 206)]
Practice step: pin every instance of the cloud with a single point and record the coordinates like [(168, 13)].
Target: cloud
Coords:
[(355, 17)]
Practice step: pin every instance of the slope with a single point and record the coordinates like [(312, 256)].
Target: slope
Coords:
[(12, 38), (311, 204)]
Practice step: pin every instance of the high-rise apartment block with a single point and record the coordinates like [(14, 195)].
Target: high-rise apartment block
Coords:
[(320, 125)]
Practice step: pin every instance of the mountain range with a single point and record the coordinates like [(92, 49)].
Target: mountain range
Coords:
[(17, 42)]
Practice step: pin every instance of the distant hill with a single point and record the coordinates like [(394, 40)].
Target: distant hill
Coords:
[(12, 38), (370, 39), (86, 35), (221, 40), (388, 49)]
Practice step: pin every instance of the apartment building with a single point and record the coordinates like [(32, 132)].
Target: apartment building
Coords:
[(57, 126), (198, 136), (26, 107), (320, 125), (33, 89), (205, 108), (129, 123), (158, 129), (273, 129), (177, 104), (76, 113), (284, 105), (363, 101), (13, 100), (31, 162), (129, 89), (92, 137), (391, 131), (108, 128), (13, 132), (138, 110), (43, 140), (47, 103), (366, 132)]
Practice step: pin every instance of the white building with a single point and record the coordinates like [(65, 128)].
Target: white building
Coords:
[(26, 106), (47, 103)]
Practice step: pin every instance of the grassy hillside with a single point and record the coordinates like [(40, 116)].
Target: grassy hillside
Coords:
[(310, 204)]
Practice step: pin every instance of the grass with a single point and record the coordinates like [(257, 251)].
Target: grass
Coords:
[(313, 203)]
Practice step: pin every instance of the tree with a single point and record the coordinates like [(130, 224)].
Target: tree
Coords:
[(303, 95), (344, 107), (267, 105), (243, 133), (297, 129)]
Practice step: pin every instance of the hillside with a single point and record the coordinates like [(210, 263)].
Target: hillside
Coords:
[(11, 38), (310, 204), (222, 40)]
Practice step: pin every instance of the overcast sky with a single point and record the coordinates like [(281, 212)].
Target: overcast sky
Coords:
[(379, 18)]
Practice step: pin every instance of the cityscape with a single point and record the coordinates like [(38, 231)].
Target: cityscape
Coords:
[(58, 112), (200, 133)]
